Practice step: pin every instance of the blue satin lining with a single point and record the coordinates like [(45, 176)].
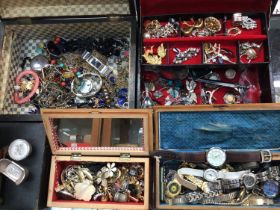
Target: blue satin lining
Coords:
[(229, 130)]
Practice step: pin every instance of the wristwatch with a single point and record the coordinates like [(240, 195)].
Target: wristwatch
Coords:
[(212, 175), (273, 173), (270, 188), (262, 156), (216, 157), (249, 180), (96, 63)]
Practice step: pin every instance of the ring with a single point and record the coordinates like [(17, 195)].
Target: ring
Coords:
[(233, 31)]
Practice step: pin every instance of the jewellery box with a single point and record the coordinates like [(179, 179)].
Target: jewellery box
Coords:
[(47, 28), (204, 52), (100, 157), (206, 155)]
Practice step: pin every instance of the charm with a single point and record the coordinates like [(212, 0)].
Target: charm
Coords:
[(110, 170), (84, 190)]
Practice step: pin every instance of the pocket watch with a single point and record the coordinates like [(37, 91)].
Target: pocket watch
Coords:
[(216, 157)]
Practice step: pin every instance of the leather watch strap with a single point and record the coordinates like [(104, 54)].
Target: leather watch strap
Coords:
[(193, 157), (241, 157)]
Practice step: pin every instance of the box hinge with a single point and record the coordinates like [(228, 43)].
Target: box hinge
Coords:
[(76, 156), (125, 155)]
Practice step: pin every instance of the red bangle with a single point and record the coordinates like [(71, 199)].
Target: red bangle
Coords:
[(19, 100)]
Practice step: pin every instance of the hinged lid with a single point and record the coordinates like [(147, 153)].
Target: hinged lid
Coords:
[(64, 8), (167, 7), (98, 132), (242, 127)]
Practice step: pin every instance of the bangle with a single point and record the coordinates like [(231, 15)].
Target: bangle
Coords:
[(19, 100)]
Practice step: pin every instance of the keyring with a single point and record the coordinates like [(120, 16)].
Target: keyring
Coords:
[(19, 100)]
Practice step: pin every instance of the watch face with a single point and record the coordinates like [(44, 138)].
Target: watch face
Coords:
[(19, 149), (211, 175), (271, 188), (173, 189), (216, 157), (249, 180)]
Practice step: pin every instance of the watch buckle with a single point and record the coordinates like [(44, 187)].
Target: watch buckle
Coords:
[(266, 156)]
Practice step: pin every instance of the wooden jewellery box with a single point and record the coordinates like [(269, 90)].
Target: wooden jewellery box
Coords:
[(204, 52), (53, 28), (100, 158), (217, 157)]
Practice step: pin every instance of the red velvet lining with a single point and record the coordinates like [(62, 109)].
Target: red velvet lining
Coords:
[(229, 45), (60, 165), (248, 32), (71, 144), (251, 78), (165, 7), (208, 38)]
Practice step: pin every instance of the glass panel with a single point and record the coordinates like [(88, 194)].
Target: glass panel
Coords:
[(74, 132), (99, 132)]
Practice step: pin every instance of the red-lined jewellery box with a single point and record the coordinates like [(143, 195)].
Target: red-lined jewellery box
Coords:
[(222, 47), (86, 145)]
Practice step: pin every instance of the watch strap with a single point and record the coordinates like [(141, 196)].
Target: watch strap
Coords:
[(187, 184), (191, 171), (232, 175), (239, 157)]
